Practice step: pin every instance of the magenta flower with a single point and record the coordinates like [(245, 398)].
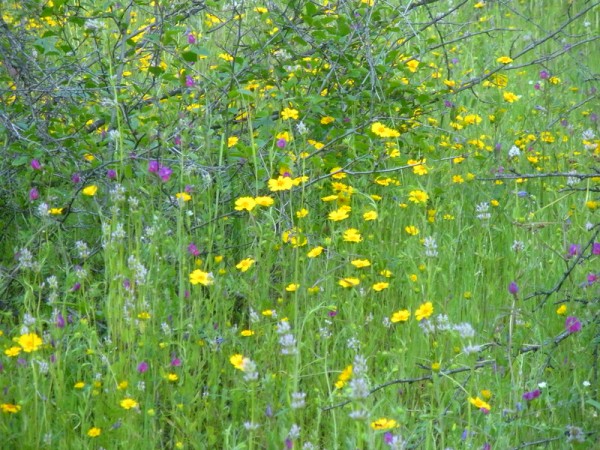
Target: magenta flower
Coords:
[(60, 320), (153, 166), (34, 194), (596, 248), (574, 250), (592, 278), (572, 324), (142, 367), (36, 165), (537, 86), (175, 362), (189, 81), (191, 38), (544, 75), (281, 143), (177, 140), (532, 395), (193, 249), (165, 173), (513, 288)]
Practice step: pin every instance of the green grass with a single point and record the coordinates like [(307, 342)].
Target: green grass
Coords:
[(259, 358)]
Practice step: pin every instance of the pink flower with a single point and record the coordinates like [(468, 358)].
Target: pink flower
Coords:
[(142, 367), (34, 194), (572, 324), (36, 165), (153, 166)]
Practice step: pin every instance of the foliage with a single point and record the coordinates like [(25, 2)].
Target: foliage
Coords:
[(318, 224)]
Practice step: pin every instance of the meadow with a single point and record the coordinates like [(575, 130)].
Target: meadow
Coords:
[(308, 224)]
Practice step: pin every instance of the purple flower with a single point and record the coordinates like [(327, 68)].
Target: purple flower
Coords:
[(111, 174), (75, 178), (289, 443), (486, 446), (76, 287), (142, 367), (164, 173), (60, 320), (388, 438), (175, 362), (572, 324), (513, 288), (281, 143), (448, 104), (596, 248), (191, 38), (537, 86), (193, 249), (531, 395), (188, 188), (34, 194), (332, 313), (36, 165), (574, 250), (522, 194), (177, 140), (189, 81), (592, 278), (153, 166), (544, 75)]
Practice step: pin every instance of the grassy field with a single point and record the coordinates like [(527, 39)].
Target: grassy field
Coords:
[(299, 224)]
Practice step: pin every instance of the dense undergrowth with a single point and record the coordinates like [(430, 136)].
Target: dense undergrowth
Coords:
[(301, 224)]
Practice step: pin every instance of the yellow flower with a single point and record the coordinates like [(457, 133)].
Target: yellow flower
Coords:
[(237, 361), (412, 230), (200, 277), (313, 253), (231, 141), (592, 205), (384, 424), (412, 65), (458, 179), (245, 203), (386, 273), (302, 213), (339, 214), (349, 282), (226, 56), (424, 311), (486, 394), (337, 173), (289, 113), (327, 120), (478, 403), (504, 60), (360, 263), (554, 80), (172, 377), (418, 196), (292, 287), (436, 366), (247, 333), (79, 385), (352, 235), (280, 183), (264, 201), (9, 408), (129, 403), (245, 264), (471, 119), (183, 196), (30, 342), (89, 157), (509, 97), (267, 313), (400, 316), (370, 215), (90, 190), (12, 351), (380, 286), (343, 377), (561, 310)]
